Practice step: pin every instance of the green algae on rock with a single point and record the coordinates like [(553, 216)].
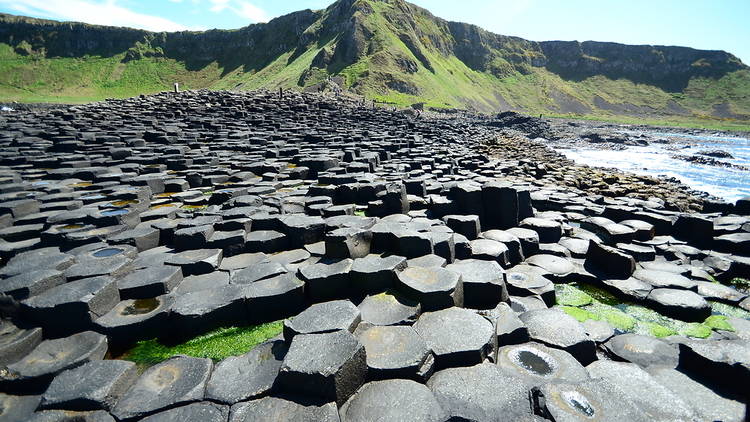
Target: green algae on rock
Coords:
[(578, 313), (728, 310), (615, 317), (656, 330), (719, 322), (570, 295), (585, 302)]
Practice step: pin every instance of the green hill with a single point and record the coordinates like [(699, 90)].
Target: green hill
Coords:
[(387, 50)]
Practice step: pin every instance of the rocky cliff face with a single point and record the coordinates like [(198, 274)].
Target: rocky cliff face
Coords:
[(498, 54), (65, 39), (668, 67), (385, 46)]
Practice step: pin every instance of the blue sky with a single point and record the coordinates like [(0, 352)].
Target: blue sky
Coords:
[(705, 24)]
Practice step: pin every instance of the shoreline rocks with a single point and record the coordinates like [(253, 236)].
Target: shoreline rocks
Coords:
[(414, 261)]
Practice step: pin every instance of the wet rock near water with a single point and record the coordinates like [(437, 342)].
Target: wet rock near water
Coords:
[(709, 160), (716, 153), (416, 264)]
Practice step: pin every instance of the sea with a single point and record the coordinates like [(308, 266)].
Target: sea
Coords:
[(656, 160)]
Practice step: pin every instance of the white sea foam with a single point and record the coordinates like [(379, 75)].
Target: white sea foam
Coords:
[(727, 183)]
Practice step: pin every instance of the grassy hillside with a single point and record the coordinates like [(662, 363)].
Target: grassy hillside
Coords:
[(386, 50)]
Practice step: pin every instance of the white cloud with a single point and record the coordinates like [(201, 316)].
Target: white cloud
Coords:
[(218, 5), (252, 12), (92, 11), (241, 8)]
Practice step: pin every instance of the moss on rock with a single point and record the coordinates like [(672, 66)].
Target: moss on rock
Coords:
[(728, 310), (578, 313), (612, 315), (654, 329), (718, 322), (599, 294), (697, 330)]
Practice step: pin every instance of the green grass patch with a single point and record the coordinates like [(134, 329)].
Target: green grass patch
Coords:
[(360, 213), (216, 345)]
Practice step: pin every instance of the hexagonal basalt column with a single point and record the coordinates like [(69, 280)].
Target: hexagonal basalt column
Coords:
[(434, 288), (393, 401), (72, 307), (149, 282), (537, 364), (389, 308), (198, 312), (135, 319), (197, 262), (373, 274), (31, 283), (396, 352), (348, 242), (483, 283), (173, 382), (16, 342), (481, 393), (457, 337), (680, 304), (637, 386), (555, 328), (331, 366), (201, 411), (51, 357), (595, 398), (239, 378), (327, 280), (271, 409), (323, 318), (92, 386)]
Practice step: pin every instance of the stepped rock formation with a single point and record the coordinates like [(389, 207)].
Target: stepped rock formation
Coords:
[(424, 271)]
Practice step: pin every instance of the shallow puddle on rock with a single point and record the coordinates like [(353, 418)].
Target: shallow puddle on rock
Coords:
[(124, 203), (533, 362), (141, 307), (105, 253), (578, 402), (156, 207), (71, 227), (194, 207), (111, 213)]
